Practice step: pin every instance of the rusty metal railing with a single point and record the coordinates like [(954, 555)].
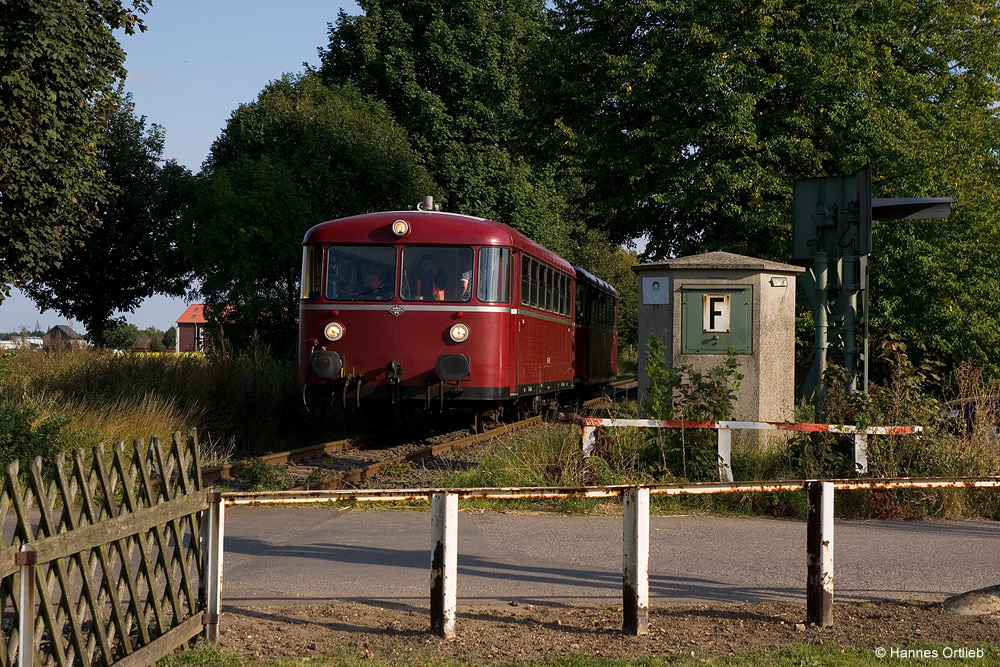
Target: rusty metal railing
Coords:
[(724, 429), (635, 557)]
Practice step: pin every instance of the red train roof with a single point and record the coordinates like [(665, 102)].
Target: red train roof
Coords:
[(429, 228)]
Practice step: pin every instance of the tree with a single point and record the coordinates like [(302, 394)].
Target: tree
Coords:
[(689, 122), (60, 68), (451, 72), (133, 254), (302, 153), (121, 336), (156, 338), (169, 339)]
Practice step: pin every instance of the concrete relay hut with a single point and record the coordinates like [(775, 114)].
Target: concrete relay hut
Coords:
[(701, 305)]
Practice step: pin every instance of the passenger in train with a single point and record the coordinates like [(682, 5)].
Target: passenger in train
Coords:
[(428, 281), (465, 282)]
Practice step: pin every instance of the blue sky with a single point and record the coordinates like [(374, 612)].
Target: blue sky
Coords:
[(198, 61)]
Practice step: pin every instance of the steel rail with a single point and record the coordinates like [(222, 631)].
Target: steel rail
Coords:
[(364, 473), (225, 471), (213, 473)]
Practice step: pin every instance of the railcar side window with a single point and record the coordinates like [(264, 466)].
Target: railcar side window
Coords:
[(544, 288), (361, 273), (494, 275), (437, 273), (312, 271)]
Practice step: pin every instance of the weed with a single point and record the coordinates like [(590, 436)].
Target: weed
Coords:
[(685, 393), (260, 476)]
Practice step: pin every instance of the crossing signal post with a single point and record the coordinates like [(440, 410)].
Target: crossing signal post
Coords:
[(832, 232)]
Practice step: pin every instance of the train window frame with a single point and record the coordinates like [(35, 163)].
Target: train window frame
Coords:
[(351, 283), (450, 260), (550, 290), (312, 272), (493, 274), (545, 287)]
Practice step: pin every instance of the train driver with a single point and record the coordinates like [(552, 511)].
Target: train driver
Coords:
[(428, 280), (377, 289)]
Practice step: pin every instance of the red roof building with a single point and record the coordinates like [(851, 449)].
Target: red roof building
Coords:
[(191, 334)]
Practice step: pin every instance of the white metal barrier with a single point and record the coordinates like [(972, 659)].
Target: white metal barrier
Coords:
[(635, 531), (725, 435)]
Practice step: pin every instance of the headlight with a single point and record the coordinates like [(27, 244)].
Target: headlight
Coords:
[(334, 331), (458, 332), (400, 228)]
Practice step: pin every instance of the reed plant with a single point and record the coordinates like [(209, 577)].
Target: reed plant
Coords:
[(245, 398)]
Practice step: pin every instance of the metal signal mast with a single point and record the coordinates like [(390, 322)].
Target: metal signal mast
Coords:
[(832, 229)]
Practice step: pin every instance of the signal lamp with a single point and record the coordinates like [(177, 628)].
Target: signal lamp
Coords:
[(400, 228)]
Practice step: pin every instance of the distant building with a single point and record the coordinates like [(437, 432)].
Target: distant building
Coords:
[(142, 344), (191, 333), (63, 338)]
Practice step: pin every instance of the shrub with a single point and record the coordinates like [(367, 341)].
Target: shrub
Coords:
[(23, 436), (684, 393)]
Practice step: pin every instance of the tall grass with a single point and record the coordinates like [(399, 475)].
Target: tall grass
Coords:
[(247, 398)]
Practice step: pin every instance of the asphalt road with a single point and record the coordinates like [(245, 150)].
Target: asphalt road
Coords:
[(307, 555)]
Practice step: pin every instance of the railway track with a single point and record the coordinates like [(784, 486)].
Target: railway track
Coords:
[(350, 462)]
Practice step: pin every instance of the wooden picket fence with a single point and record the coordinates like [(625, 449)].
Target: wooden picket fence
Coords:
[(101, 559)]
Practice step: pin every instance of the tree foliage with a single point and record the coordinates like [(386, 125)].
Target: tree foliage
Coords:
[(300, 154), (694, 118), (689, 122), (133, 254), (452, 73), (60, 66)]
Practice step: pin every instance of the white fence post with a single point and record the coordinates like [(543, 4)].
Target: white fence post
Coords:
[(861, 453), (819, 547), (213, 550), (725, 454), (444, 563), (635, 562), (26, 559), (589, 440)]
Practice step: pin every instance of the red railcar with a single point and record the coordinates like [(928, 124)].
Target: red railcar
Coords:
[(438, 307)]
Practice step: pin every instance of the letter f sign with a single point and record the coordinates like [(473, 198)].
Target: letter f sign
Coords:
[(715, 313)]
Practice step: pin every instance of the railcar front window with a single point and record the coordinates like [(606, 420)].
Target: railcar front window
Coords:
[(312, 271), (437, 273), (361, 273), (493, 281)]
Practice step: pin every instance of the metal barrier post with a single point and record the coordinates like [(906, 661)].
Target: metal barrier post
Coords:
[(635, 565), (861, 453), (819, 546), (444, 563), (213, 550), (725, 454), (26, 559), (589, 440)]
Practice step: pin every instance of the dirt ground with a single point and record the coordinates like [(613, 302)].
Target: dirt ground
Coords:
[(531, 632)]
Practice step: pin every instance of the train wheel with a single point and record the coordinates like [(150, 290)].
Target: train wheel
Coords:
[(485, 417), (550, 409)]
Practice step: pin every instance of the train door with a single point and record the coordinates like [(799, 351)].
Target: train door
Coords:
[(582, 334)]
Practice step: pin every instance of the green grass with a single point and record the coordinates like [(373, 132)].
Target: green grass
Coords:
[(796, 656), (98, 395)]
